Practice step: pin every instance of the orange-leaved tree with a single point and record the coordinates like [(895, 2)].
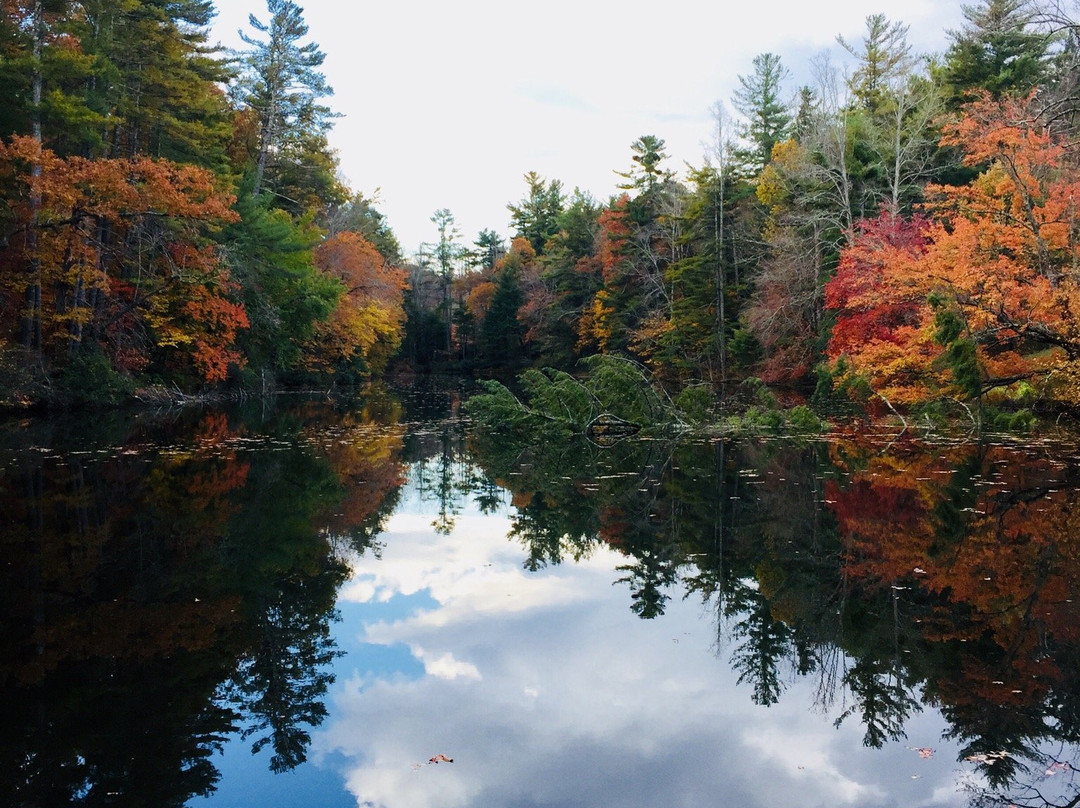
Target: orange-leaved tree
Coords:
[(366, 326), (601, 328), (991, 300), (116, 253), (880, 300)]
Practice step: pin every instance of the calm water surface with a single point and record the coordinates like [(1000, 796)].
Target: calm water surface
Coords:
[(306, 604)]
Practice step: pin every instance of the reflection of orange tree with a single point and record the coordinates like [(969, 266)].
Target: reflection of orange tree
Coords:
[(176, 516), (364, 451), (117, 627), (978, 546), (886, 509), (190, 487), (136, 584)]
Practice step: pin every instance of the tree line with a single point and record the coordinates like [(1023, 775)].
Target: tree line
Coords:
[(897, 233), (173, 214)]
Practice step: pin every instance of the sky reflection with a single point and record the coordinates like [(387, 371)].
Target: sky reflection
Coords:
[(546, 690)]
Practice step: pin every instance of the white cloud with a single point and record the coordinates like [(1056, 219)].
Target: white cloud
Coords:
[(798, 751), (475, 575), (444, 666)]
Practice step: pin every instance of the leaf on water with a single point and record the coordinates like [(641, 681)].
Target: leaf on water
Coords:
[(988, 757)]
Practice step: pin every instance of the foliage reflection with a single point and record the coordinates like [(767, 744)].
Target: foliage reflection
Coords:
[(893, 576), (167, 583), (170, 583)]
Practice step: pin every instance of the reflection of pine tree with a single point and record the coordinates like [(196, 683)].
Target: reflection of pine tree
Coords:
[(280, 686), (444, 473), (556, 522), (489, 497), (540, 529), (766, 643), (449, 481), (881, 698), (654, 570)]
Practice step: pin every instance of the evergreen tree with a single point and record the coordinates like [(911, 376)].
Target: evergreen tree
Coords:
[(703, 290), (158, 81), (804, 117), (283, 85), (572, 273), (768, 117), (577, 226), (448, 253), (43, 75), (490, 247), (114, 79), (284, 294), (883, 55), (501, 332), (998, 50), (536, 217), (646, 177)]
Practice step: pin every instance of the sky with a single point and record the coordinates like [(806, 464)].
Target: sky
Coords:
[(450, 104)]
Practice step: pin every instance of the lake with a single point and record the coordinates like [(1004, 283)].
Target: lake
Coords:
[(368, 603)]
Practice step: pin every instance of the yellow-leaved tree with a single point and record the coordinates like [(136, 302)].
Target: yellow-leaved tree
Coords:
[(365, 329)]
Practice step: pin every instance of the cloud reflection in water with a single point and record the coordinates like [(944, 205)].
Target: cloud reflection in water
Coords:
[(547, 691)]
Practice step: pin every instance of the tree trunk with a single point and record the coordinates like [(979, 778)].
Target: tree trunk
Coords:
[(30, 330)]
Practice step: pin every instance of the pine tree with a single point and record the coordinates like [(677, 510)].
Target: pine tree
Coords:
[(768, 116), (646, 177), (156, 85), (501, 332), (44, 71), (283, 86), (884, 57), (998, 50), (536, 217)]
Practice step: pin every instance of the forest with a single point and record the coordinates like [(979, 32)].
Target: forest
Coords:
[(898, 236)]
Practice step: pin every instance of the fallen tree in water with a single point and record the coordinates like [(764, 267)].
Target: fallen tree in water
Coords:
[(617, 398)]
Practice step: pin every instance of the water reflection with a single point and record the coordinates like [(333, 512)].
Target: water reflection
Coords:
[(754, 622), (890, 577), (170, 582)]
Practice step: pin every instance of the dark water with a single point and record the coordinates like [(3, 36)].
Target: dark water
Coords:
[(305, 604)]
